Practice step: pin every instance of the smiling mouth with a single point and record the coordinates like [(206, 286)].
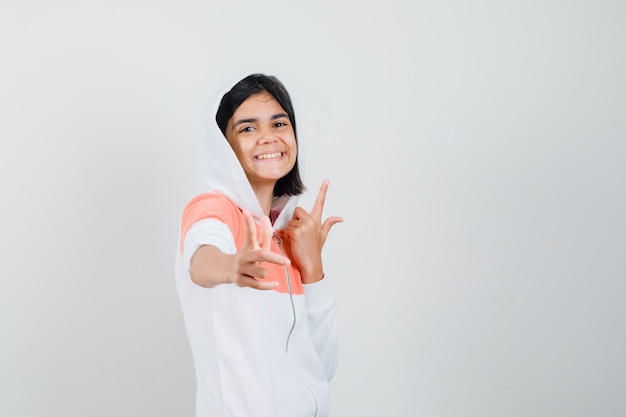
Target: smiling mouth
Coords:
[(267, 156)]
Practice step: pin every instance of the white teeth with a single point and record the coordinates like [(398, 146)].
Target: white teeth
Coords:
[(270, 155)]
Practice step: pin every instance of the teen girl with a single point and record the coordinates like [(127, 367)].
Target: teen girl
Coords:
[(249, 272)]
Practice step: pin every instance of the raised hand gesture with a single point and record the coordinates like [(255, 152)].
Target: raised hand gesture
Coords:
[(306, 235), (249, 271)]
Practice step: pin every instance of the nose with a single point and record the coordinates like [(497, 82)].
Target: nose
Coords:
[(267, 135)]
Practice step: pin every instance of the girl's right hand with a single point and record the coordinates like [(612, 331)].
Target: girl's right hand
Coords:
[(248, 265)]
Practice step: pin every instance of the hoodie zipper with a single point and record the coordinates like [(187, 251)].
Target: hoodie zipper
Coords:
[(279, 241)]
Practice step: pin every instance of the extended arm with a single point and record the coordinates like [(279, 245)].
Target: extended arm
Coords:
[(210, 266)]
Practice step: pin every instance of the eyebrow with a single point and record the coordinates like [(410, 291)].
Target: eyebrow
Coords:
[(254, 120)]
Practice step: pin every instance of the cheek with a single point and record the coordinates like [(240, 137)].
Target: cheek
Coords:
[(294, 146), (239, 149)]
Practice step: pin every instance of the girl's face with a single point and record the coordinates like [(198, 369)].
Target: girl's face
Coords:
[(263, 139)]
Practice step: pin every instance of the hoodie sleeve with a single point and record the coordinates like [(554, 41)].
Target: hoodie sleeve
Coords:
[(323, 324), (207, 232), (210, 206)]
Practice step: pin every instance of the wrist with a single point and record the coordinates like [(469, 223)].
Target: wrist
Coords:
[(310, 276)]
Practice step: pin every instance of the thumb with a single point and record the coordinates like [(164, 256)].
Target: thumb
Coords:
[(328, 224)]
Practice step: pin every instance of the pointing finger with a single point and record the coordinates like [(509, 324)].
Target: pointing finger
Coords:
[(252, 262), (318, 207)]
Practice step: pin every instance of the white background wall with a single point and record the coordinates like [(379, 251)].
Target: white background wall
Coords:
[(475, 149)]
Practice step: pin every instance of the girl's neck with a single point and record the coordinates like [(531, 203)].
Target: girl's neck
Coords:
[(265, 195)]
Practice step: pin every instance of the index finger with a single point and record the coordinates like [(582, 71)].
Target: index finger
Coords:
[(250, 234), (265, 233), (318, 206)]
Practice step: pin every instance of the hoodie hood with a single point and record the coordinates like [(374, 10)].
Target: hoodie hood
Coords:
[(220, 170)]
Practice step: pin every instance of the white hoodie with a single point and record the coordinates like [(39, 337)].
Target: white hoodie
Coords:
[(256, 353)]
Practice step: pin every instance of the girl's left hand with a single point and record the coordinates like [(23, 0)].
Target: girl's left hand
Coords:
[(306, 235)]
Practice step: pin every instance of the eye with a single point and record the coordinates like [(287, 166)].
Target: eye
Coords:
[(280, 124), (247, 129)]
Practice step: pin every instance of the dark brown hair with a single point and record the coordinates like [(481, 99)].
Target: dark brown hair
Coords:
[(290, 184)]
